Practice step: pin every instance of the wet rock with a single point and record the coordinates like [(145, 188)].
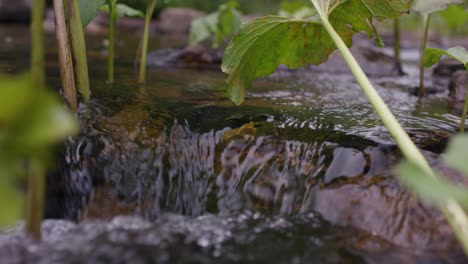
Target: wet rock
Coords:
[(458, 85), (177, 20), (16, 11), (447, 67), (189, 57)]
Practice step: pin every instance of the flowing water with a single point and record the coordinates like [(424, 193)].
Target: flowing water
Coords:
[(172, 172)]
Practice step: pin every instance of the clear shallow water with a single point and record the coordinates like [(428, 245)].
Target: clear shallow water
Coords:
[(300, 173)]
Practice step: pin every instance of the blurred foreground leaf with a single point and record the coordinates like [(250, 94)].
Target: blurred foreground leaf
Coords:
[(32, 120), (456, 155), (436, 190)]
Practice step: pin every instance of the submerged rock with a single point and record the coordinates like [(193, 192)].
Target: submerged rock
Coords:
[(447, 67), (189, 57), (177, 20), (458, 85)]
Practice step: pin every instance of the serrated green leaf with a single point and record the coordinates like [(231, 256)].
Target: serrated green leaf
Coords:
[(430, 6), (433, 55), (89, 9), (436, 190), (456, 153), (265, 43)]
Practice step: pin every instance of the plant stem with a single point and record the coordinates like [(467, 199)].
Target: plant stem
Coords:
[(465, 110), (422, 51), (112, 20), (64, 54), (451, 209), (144, 51), (37, 47), (35, 199), (35, 205), (79, 49), (396, 46)]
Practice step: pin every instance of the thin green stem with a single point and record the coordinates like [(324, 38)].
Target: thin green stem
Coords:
[(465, 110), (422, 51), (396, 46), (110, 61), (144, 51), (35, 199), (64, 54), (453, 212), (36, 179), (37, 47), (79, 49)]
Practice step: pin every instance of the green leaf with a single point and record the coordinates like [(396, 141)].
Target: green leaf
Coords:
[(455, 16), (436, 190), (430, 6), (265, 43), (48, 122), (124, 11), (201, 28), (89, 9), (456, 153), (222, 23), (16, 94), (433, 55)]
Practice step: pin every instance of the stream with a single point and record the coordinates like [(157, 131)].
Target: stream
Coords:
[(173, 172)]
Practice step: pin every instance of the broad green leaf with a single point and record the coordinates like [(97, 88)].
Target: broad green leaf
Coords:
[(47, 123), (89, 9), (456, 153), (436, 190), (455, 16), (124, 11), (265, 43), (430, 6), (16, 94), (432, 55)]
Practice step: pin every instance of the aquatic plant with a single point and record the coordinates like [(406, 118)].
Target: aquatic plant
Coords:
[(150, 6), (72, 47), (264, 43), (425, 8), (116, 10), (221, 24), (433, 55), (78, 48), (64, 55), (397, 47)]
